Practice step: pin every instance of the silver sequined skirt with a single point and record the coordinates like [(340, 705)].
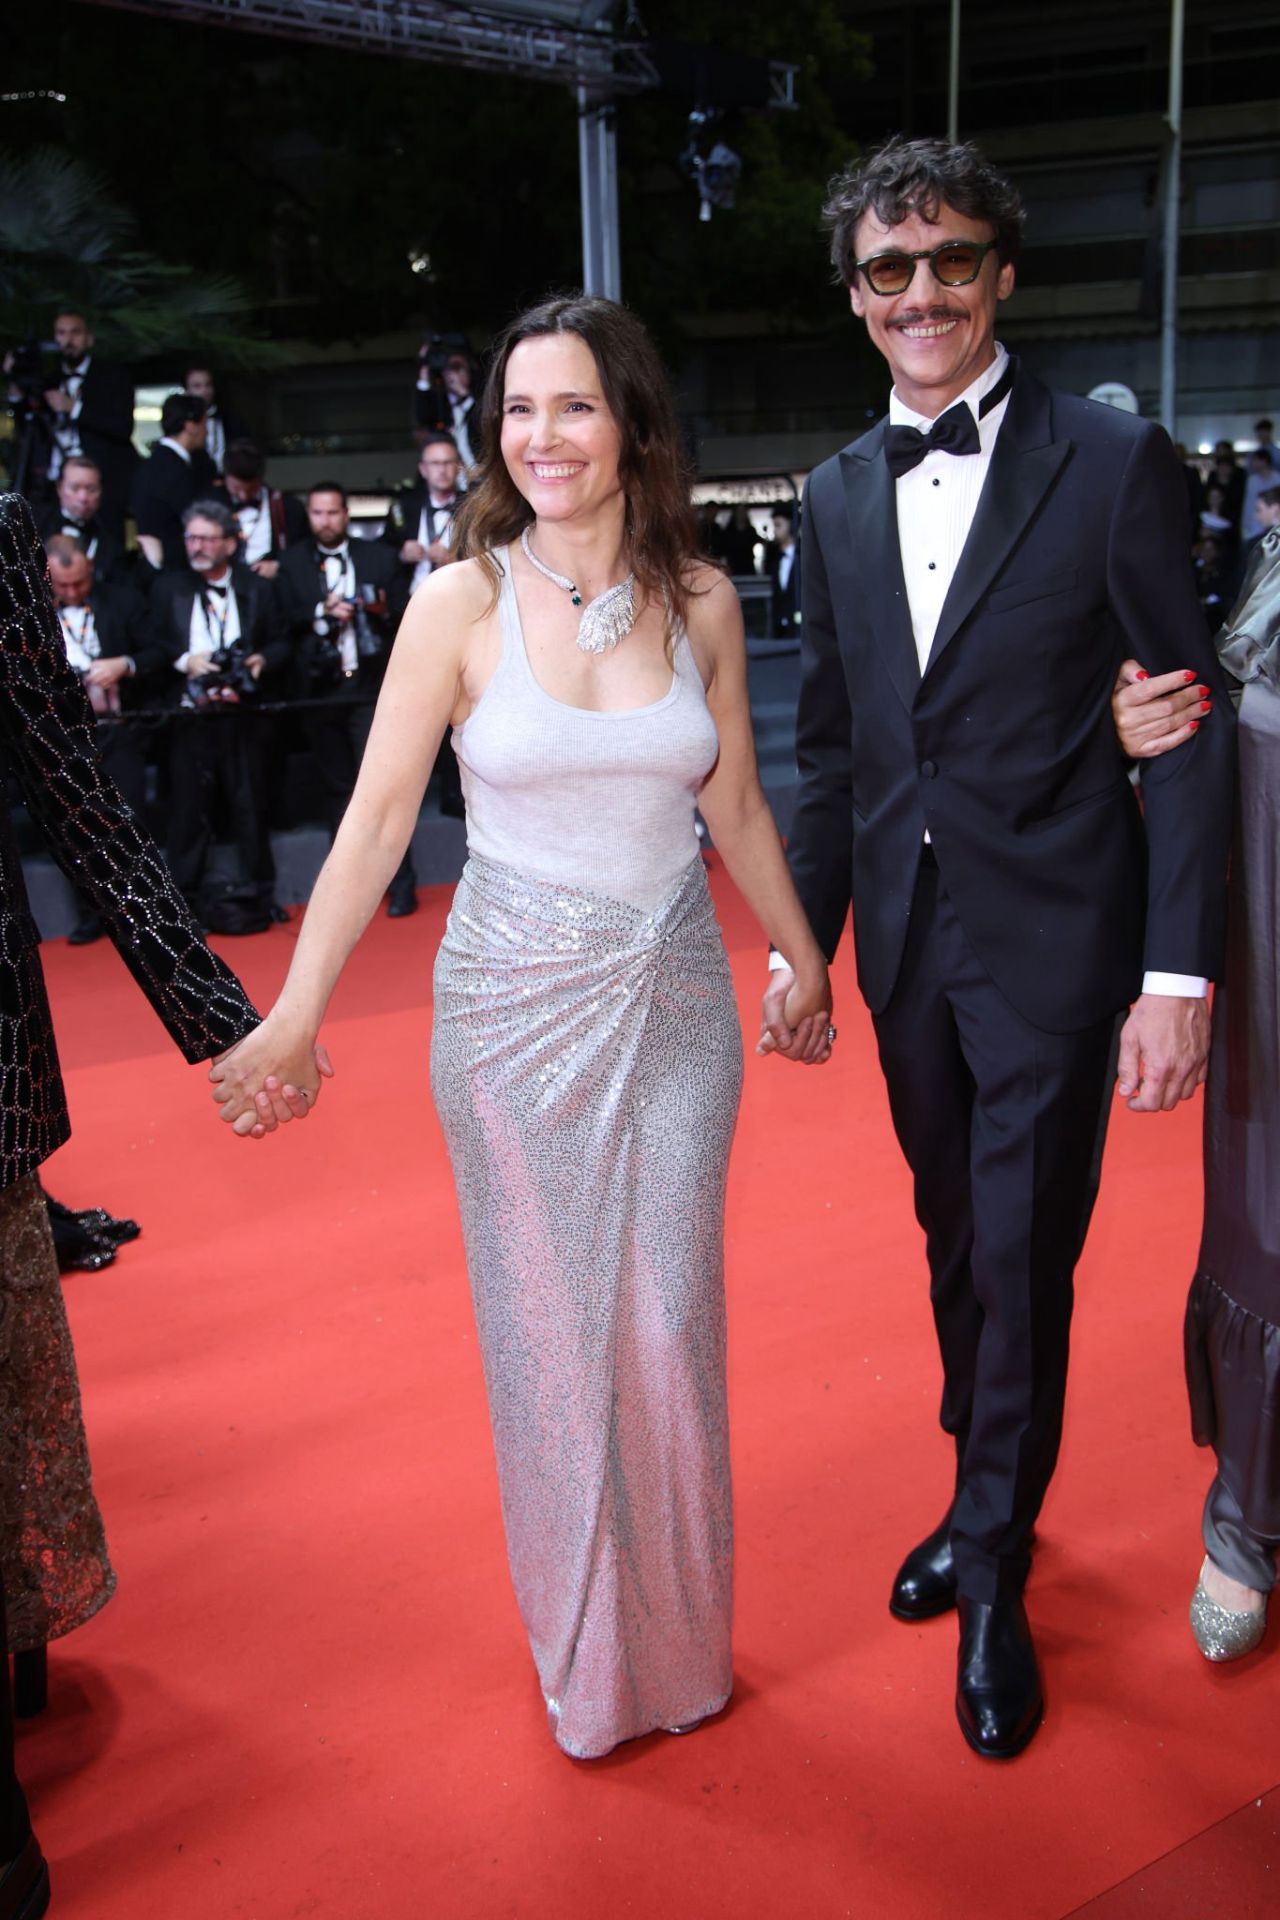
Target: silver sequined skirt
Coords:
[(586, 1065)]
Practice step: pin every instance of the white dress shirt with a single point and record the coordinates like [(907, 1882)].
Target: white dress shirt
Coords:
[(254, 518), (66, 434), (214, 628), (435, 522), (339, 577)]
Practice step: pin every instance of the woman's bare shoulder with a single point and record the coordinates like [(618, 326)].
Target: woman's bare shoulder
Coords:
[(463, 590)]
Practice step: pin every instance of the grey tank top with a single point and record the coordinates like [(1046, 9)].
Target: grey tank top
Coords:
[(601, 801)]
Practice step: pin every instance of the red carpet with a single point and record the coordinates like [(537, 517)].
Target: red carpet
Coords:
[(311, 1695)]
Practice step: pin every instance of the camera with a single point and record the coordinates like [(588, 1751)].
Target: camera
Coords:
[(438, 349), (30, 372), (368, 626), (229, 679)]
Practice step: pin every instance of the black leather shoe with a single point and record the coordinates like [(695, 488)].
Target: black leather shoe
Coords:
[(24, 1884), (402, 903), (85, 932), (999, 1703), (926, 1582)]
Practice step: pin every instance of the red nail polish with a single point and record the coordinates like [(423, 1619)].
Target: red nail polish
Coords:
[(1193, 724), (1143, 674), (1206, 706), (1188, 675), (1203, 692)]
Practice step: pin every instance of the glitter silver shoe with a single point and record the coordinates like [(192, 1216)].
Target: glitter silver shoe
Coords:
[(1221, 1633)]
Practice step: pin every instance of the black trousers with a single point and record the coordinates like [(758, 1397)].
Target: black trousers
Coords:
[(218, 767), (337, 734), (1001, 1125)]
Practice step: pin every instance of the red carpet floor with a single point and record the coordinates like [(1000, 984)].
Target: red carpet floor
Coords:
[(311, 1695)]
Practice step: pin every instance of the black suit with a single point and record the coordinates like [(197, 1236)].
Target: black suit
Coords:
[(105, 427), (111, 563), (338, 720), (786, 600), (164, 486), (121, 626), (996, 965), (219, 756)]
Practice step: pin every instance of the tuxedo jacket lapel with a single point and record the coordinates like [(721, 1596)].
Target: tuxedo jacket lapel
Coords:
[(1025, 463), (871, 507)]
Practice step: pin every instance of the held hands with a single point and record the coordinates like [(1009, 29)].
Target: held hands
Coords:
[(796, 1019), (1164, 1051), (270, 1077), (1154, 716)]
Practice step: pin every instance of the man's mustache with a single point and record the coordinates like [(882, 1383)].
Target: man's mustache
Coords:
[(925, 316)]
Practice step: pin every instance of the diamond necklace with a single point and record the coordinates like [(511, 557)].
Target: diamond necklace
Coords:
[(606, 619)]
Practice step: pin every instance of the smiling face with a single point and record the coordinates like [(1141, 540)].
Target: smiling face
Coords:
[(560, 442), (936, 339)]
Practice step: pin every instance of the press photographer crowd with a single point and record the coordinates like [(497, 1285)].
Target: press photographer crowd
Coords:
[(232, 637)]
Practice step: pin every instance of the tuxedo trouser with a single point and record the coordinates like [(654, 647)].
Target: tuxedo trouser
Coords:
[(211, 756), (1001, 1126), (337, 735)]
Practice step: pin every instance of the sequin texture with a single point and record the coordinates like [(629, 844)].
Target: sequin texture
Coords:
[(586, 1066)]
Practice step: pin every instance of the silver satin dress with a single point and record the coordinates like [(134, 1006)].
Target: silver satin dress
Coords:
[(586, 1065)]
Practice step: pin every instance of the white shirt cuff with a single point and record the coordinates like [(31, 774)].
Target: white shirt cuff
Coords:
[(778, 961), (1183, 986)]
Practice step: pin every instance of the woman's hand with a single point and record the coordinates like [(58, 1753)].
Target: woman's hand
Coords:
[(1152, 717), (796, 1018), (270, 1077)]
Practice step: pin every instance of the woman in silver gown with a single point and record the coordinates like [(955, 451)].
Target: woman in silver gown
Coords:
[(586, 1054), (1233, 1313)]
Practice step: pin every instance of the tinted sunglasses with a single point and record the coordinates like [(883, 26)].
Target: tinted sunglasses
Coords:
[(954, 264)]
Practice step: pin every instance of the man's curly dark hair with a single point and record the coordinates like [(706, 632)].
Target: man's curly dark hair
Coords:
[(903, 177)]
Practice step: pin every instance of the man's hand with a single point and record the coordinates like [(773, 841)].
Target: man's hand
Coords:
[(198, 664), (254, 663), (57, 400), (340, 610), (1164, 1051), (439, 553), (796, 1018), (413, 553), (105, 673), (266, 569)]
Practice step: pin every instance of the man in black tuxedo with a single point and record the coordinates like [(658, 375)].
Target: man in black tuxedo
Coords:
[(77, 512), (221, 428), (175, 472), (419, 530), (976, 567), (781, 557), (342, 600), (91, 411), (106, 634), (219, 628), (269, 520)]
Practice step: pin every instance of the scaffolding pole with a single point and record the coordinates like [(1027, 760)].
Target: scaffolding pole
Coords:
[(598, 169), (1172, 200)]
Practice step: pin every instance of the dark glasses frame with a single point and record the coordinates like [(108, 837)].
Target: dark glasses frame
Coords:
[(981, 247)]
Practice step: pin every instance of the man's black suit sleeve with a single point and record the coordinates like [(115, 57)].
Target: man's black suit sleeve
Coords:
[(270, 635), (820, 845), (1187, 795), (107, 404)]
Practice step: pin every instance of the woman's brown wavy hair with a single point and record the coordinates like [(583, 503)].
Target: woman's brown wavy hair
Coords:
[(661, 527)]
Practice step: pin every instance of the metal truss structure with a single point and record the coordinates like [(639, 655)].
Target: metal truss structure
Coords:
[(567, 42)]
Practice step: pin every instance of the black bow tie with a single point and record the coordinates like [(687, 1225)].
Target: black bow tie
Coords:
[(955, 431), (220, 591)]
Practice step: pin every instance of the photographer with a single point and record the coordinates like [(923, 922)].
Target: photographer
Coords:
[(77, 513), (419, 524), (446, 396), (220, 631), (221, 428), (105, 632), (269, 520), (86, 406), (342, 600)]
